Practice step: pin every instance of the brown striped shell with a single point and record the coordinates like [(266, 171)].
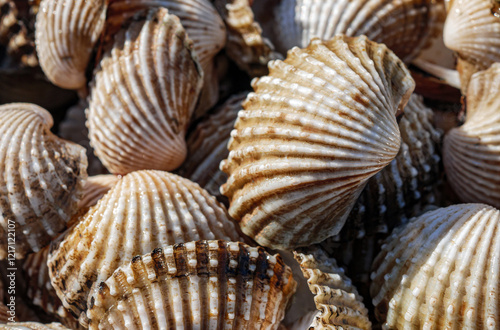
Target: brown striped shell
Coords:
[(4, 313), (95, 187)]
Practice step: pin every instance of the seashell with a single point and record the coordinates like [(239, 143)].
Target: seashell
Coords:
[(33, 326), (406, 26), (143, 211), (4, 313), (301, 151), (41, 182), (95, 187), (203, 284), (65, 35), (440, 271)]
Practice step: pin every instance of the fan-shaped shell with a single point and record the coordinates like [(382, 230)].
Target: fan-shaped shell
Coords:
[(41, 179), (143, 95), (471, 152), (203, 284), (95, 187), (33, 326), (441, 271), (315, 130)]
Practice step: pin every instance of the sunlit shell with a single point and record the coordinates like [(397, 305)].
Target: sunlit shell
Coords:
[(66, 32), (143, 95), (33, 326), (95, 187), (203, 284), (471, 152), (315, 130), (441, 271), (143, 211), (41, 179)]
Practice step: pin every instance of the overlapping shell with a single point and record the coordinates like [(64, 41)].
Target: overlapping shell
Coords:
[(95, 187), (203, 284), (315, 130), (143, 95), (41, 179), (441, 271)]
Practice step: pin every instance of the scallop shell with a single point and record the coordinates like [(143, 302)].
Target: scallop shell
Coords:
[(441, 271), (143, 211), (203, 284), (405, 26), (33, 326), (315, 130), (95, 187), (41, 182), (471, 152), (66, 32), (143, 95)]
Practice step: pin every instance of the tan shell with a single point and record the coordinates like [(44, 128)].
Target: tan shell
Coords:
[(95, 187), (441, 271), (41, 182), (32, 326), (143, 211), (471, 152), (143, 95), (302, 151), (66, 33), (4, 313)]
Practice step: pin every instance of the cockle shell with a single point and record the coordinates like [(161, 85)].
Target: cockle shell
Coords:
[(95, 187), (143, 211), (471, 152), (441, 271), (315, 130), (199, 285), (41, 182), (32, 326), (143, 95)]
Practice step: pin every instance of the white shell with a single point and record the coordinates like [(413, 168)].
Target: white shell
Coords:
[(95, 187)]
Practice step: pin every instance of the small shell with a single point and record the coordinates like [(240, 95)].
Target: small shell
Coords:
[(95, 187), (441, 271), (200, 285), (42, 178), (315, 130), (143, 95), (33, 326), (4, 313)]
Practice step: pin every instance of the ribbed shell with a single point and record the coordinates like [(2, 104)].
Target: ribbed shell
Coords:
[(66, 32), (143, 95), (4, 316), (471, 152), (143, 211), (33, 326), (41, 178), (441, 271), (315, 130), (95, 187), (405, 26)]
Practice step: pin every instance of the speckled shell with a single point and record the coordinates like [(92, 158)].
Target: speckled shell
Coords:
[(95, 187), (441, 271), (65, 35), (405, 26), (143, 211), (471, 152), (42, 178), (203, 284), (143, 95), (315, 130), (33, 326)]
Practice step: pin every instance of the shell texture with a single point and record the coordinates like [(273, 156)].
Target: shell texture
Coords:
[(95, 187), (203, 284), (471, 152), (441, 271), (41, 182), (4, 313), (143, 95), (405, 26), (32, 326), (315, 130), (143, 211)]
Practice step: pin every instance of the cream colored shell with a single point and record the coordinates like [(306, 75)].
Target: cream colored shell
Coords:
[(32, 326), (95, 187)]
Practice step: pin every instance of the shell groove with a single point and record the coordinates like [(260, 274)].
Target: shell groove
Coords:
[(315, 130), (42, 178), (203, 284), (95, 187)]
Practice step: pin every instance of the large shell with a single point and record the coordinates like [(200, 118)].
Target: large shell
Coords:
[(95, 187), (315, 130), (143, 211), (441, 271), (143, 95), (66, 32), (405, 26), (471, 152), (41, 179), (200, 285)]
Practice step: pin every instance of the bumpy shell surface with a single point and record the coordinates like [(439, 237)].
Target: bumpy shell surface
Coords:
[(441, 271), (66, 32), (405, 26), (203, 284), (143, 95), (95, 187), (143, 211), (471, 152), (315, 130), (32, 326), (42, 178)]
